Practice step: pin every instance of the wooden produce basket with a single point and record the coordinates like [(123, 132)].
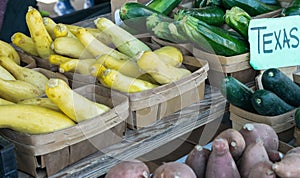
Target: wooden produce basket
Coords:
[(54, 151), (282, 124), (297, 136), (296, 77), (220, 66), (26, 60), (151, 105)]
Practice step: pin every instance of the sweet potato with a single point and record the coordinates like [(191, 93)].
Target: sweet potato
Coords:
[(129, 169), (220, 162), (288, 166), (295, 150), (252, 131), (275, 155), (235, 140), (262, 169), (253, 154), (174, 169), (197, 160)]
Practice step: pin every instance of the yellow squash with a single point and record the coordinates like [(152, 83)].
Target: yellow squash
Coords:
[(4, 74), (71, 47), (61, 30), (17, 90), (57, 59), (43, 102), (32, 119), (81, 66), (126, 67), (25, 74), (5, 102), (49, 25), (25, 43), (38, 32), (7, 50), (161, 72), (120, 82), (74, 105), (96, 47), (170, 55), (95, 32), (123, 40)]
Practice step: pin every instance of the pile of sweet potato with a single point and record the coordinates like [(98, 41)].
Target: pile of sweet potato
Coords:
[(251, 152)]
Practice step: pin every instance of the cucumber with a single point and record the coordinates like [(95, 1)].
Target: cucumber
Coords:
[(284, 87), (237, 93), (252, 7), (212, 15), (134, 15), (268, 103), (297, 118), (164, 6), (212, 38)]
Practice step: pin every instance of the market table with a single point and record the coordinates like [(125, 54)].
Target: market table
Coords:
[(139, 142)]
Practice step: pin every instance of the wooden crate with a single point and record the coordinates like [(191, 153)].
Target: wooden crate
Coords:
[(50, 74), (296, 77), (220, 66), (54, 151), (282, 124), (151, 105), (26, 60), (296, 136)]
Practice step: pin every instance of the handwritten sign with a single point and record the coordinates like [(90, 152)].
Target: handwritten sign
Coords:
[(274, 42)]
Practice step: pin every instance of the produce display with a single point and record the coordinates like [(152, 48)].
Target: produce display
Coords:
[(34, 103), (252, 151)]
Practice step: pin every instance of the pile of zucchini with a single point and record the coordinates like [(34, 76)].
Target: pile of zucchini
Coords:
[(201, 25), (278, 96)]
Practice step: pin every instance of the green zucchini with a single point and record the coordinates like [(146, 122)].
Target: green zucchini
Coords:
[(268, 103), (279, 83), (199, 3), (134, 15), (212, 38), (297, 118), (238, 19), (165, 28), (237, 93), (290, 11), (164, 6), (252, 7), (212, 15)]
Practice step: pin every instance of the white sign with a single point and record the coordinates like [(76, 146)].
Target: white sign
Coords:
[(274, 42)]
